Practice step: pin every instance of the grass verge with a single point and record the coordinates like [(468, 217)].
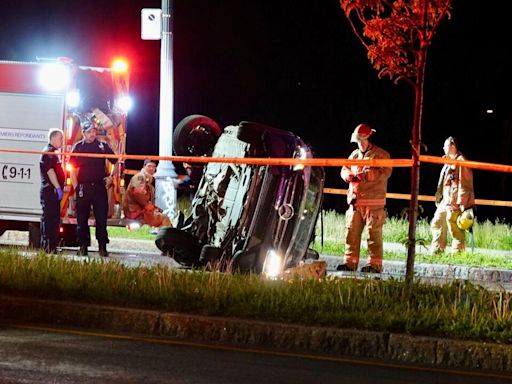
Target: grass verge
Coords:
[(456, 310)]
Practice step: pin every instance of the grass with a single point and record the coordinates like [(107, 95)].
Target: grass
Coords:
[(455, 310), (487, 235), (143, 233)]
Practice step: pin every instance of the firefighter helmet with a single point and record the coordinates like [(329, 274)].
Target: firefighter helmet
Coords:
[(466, 219), (361, 132)]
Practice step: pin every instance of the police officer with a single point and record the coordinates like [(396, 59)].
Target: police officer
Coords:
[(52, 182), (90, 181)]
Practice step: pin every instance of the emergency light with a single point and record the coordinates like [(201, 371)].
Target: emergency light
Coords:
[(54, 77), (124, 103), (73, 99), (120, 65)]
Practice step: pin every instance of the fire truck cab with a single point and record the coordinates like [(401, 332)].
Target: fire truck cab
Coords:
[(35, 97)]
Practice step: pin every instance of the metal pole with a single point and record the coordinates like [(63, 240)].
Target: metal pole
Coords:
[(165, 176)]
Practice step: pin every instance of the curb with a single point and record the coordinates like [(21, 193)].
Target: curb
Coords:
[(325, 341), (497, 278)]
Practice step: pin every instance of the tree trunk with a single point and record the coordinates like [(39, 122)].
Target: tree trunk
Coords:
[(415, 170)]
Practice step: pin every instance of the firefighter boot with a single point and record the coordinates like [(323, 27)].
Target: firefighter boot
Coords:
[(103, 249), (370, 269), (82, 251), (345, 268)]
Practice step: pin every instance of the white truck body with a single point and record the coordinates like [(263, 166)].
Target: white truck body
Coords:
[(24, 123), (29, 107)]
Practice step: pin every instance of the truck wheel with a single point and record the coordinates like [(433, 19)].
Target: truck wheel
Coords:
[(180, 245), (195, 135), (34, 235)]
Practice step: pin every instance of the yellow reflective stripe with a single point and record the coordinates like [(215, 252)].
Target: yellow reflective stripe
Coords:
[(370, 202)]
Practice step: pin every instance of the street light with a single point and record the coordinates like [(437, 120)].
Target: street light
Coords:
[(157, 23)]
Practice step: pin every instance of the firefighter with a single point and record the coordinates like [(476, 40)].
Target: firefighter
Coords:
[(52, 182), (367, 200), (139, 199), (454, 196), (90, 181)]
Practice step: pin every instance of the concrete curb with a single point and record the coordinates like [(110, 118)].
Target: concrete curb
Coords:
[(325, 341), (496, 278)]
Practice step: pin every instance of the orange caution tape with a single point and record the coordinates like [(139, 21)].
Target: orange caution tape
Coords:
[(314, 162), (317, 162), (467, 163), (405, 196)]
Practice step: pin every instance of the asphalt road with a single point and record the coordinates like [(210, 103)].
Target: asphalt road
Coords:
[(44, 355)]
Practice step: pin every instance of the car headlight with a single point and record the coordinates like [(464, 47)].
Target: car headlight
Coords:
[(273, 265), (300, 153)]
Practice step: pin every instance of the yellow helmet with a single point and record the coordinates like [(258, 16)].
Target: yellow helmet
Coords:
[(466, 219)]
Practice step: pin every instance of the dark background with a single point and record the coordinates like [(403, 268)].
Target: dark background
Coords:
[(295, 65)]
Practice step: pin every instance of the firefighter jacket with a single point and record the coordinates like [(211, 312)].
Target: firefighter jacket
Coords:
[(370, 185), (139, 196), (455, 186)]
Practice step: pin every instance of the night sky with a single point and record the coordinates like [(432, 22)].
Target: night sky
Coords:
[(295, 65)]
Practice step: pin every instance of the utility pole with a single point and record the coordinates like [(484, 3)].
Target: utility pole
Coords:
[(156, 24)]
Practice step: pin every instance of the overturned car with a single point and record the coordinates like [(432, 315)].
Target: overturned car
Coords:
[(247, 218)]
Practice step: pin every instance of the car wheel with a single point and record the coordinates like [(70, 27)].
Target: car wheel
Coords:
[(214, 259), (195, 135), (209, 253), (244, 261), (180, 245)]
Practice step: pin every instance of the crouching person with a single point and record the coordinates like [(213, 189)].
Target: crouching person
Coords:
[(139, 199)]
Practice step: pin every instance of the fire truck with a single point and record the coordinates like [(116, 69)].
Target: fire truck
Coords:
[(56, 93)]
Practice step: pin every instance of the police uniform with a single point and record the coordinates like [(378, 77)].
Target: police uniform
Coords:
[(50, 203), (91, 191)]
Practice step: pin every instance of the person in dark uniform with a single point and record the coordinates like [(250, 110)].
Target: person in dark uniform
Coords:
[(90, 181), (52, 182)]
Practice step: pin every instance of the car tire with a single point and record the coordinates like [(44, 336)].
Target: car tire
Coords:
[(195, 135), (180, 245), (209, 253), (244, 261)]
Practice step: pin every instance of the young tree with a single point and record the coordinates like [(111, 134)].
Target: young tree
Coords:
[(397, 35)]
